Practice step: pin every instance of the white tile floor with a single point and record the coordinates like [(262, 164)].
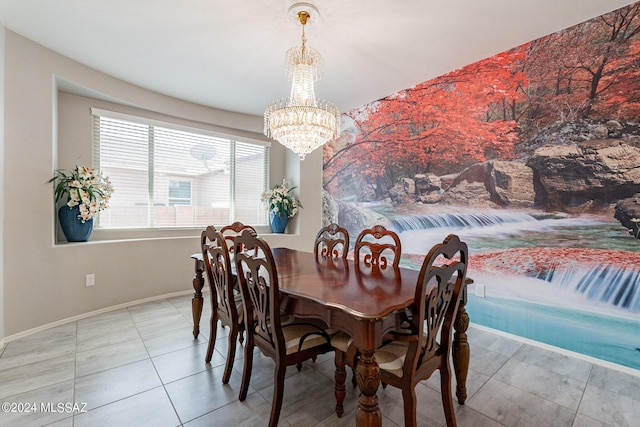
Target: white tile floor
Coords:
[(141, 367)]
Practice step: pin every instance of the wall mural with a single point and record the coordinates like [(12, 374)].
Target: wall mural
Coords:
[(532, 157)]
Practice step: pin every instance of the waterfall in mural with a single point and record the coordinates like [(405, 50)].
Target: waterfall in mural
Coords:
[(592, 280), (601, 284), (452, 220)]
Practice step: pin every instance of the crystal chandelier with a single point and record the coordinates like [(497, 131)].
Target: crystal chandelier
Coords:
[(301, 122)]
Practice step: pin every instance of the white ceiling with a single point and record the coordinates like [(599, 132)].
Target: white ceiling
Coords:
[(230, 54)]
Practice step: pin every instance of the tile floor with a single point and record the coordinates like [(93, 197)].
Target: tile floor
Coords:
[(140, 366)]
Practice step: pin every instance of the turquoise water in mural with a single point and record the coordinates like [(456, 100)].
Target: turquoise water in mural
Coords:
[(594, 311), (609, 338)]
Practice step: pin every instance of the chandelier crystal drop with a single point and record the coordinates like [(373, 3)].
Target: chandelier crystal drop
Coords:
[(301, 122)]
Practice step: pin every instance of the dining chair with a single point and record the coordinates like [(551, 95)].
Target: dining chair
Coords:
[(226, 301), (412, 354), (377, 251), (377, 247), (232, 230), (288, 342), (331, 241)]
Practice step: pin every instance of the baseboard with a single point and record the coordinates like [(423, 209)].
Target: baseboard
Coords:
[(28, 332)]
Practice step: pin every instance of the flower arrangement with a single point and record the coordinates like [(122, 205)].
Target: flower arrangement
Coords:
[(279, 199), (84, 187)]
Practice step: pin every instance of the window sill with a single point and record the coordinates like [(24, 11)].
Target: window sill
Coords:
[(129, 235)]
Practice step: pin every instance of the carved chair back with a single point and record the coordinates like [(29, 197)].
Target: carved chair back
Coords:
[(258, 278), (445, 267), (377, 247), (331, 241), (217, 263), (231, 231)]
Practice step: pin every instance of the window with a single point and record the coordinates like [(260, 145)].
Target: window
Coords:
[(179, 193), (168, 176)]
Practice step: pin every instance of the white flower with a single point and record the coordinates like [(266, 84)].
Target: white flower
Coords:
[(85, 172), (84, 195)]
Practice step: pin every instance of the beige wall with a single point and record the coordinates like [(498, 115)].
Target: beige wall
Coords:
[(2, 334), (43, 282)]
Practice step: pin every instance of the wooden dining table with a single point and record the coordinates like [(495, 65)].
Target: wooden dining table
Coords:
[(358, 302)]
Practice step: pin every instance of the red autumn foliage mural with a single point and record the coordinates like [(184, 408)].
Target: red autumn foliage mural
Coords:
[(484, 110)]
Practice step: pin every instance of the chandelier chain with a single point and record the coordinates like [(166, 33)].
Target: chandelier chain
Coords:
[(303, 17)]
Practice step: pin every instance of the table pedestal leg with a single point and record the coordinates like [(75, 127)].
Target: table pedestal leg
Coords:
[(460, 352), (196, 301), (368, 377)]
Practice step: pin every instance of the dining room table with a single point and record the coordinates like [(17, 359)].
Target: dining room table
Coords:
[(362, 303)]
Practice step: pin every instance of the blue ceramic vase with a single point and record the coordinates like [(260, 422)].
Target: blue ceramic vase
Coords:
[(278, 222), (73, 228)]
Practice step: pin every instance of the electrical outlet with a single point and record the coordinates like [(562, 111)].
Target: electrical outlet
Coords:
[(90, 280), (480, 290)]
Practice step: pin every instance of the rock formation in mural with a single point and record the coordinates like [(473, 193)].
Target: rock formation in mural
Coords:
[(532, 156), (628, 213)]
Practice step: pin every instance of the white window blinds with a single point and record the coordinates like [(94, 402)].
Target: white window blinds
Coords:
[(168, 177)]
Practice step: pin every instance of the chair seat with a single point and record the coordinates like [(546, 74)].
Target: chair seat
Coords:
[(301, 336), (391, 357), (341, 341)]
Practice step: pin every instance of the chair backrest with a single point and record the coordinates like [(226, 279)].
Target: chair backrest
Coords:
[(258, 277), (231, 231), (217, 265), (444, 268), (331, 241), (376, 246)]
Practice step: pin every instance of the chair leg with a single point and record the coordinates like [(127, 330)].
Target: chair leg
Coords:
[(447, 397), (341, 376), (241, 337), (278, 393), (352, 357), (409, 400), (231, 354), (246, 372), (212, 337)]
